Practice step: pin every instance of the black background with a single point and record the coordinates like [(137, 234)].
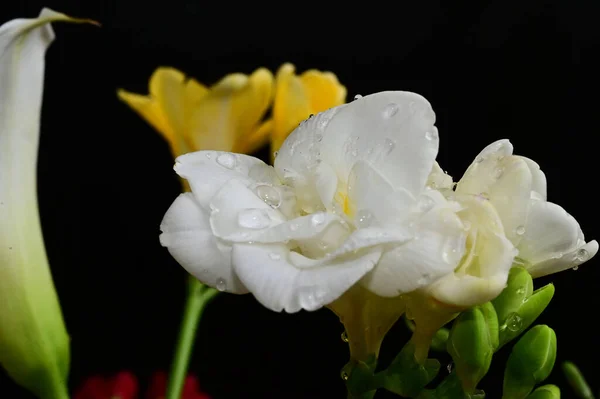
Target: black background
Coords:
[(517, 70)]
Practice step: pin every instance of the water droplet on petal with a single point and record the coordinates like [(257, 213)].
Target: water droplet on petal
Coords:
[(294, 226), (269, 194), (425, 203), (388, 146), (208, 155), (479, 159), (358, 96), (498, 172), (345, 336), (431, 135), (221, 284), (390, 110), (227, 160), (254, 218), (514, 322), (364, 218), (581, 255), (317, 219), (575, 267), (318, 137), (275, 154), (520, 230), (274, 256), (344, 375)]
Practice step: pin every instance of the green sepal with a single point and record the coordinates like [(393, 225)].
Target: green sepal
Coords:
[(546, 392), (491, 320), (577, 381), (518, 321), (530, 362), (361, 382), (405, 376), (471, 347)]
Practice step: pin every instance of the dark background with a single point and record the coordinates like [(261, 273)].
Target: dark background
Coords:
[(496, 69)]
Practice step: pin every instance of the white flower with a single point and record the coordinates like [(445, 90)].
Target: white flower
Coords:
[(347, 202), (504, 200)]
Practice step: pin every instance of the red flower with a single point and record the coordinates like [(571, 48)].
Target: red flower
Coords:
[(124, 386)]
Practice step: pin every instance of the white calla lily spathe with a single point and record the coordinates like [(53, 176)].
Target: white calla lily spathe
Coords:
[(347, 202), (513, 190)]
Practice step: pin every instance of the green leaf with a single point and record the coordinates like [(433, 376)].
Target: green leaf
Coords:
[(360, 379), (577, 381), (518, 321), (405, 376), (530, 362), (546, 392), (471, 348)]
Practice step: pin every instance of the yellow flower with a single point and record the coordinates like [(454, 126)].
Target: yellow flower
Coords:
[(192, 117), (34, 345), (297, 97)]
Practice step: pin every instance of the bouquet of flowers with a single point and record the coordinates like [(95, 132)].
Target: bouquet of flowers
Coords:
[(352, 213)]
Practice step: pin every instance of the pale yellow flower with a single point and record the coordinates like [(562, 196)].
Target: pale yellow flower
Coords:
[(192, 117), (299, 96)]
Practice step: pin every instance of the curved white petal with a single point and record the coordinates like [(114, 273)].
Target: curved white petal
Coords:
[(186, 234), (326, 185), (483, 272), (394, 131), (465, 291), (481, 174), (569, 260), (438, 179), (208, 171), (268, 270), (550, 232), (538, 182), (438, 246)]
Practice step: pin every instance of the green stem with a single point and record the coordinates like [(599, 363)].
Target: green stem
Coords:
[(198, 297)]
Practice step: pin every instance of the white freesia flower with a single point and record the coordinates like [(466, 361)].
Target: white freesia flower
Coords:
[(347, 202), (504, 200)]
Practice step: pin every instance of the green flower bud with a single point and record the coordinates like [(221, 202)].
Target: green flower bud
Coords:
[(546, 392), (517, 322), (471, 347), (577, 381), (530, 362), (518, 288)]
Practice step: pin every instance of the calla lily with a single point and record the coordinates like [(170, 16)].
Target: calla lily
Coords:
[(34, 345), (191, 116), (504, 202), (346, 204), (298, 97)]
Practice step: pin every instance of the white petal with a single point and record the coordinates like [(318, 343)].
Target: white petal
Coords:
[(438, 247), (393, 131), (237, 212), (511, 194), (326, 184), (567, 261), (465, 291), (270, 274), (482, 173), (186, 234), (538, 178), (438, 179), (208, 171), (550, 233)]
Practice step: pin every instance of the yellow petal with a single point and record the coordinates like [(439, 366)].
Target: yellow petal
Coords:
[(231, 111), (168, 105), (256, 139), (297, 97)]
